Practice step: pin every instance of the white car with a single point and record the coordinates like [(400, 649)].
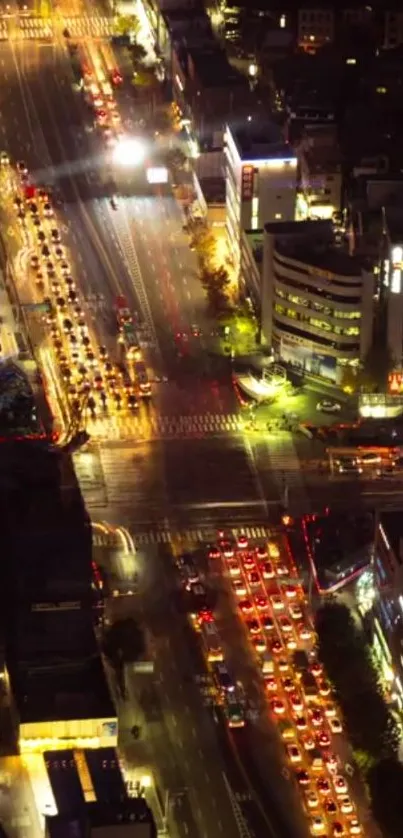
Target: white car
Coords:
[(369, 458), (4, 159), (327, 406), (318, 826)]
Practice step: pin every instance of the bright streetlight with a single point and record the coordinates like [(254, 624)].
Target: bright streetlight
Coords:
[(129, 151)]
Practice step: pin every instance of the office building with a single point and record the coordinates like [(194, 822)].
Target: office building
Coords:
[(260, 179), (320, 173)]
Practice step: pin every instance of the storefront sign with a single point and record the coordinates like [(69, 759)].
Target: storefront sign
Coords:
[(247, 183)]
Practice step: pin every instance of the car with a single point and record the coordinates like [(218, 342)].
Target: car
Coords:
[(233, 568), (45, 251), (41, 237), (21, 216), (267, 570), (285, 625), (316, 668), (346, 806), (329, 710), (276, 647), (291, 643), (354, 827), (48, 210), (72, 296), (308, 742), (296, 702), (242, 542), (302, 777), (69, 281), (278, 706), (34, 261), (282, 569), (249, 562), (324, 688), (340, 785), (56, 288), (55, 235), (330, 806), (67, 325), (22, 167), (290, 591), (283, 664), (274, 552), (332, 763), (323, 739), (261, 603), (61, 303), (246, 606), (132, 402), (338, 830), (114, 203), (59, 253), (261, 553), (270, 683), (259, 643), (4, 159), (90, 357), (335, 724), (268, 623), (312, 800), (212, 552), (328, 406), (317, 825), (369, 458), (295, 611), (316, 718), (277, 603), (301, 723), (293, 753), (252, 626), (65, 267), (323, 786), (288, 685), (227, 549), (253, 579), (304, 633)]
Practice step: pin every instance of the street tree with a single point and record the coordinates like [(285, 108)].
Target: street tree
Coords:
[(385, 784), (203, 241), (144, 77), (216, 284), (345, 654), (137, 54), (123, 642), (127, 25)]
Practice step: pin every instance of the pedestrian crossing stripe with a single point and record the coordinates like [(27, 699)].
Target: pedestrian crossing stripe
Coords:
[(193, 536)]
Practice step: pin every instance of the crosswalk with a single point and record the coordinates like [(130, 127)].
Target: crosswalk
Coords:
[(37, 28), (192, 536), (128, 427)]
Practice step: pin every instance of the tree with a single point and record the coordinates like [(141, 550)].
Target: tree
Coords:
[(127, 25), (345, 654), (204, 243), (123, 642), (142, 77), (138, 54), (385, 783), (216, 284)]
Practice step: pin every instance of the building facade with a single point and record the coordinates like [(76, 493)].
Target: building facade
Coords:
[(316, 302), (260, 181), (320, 171)]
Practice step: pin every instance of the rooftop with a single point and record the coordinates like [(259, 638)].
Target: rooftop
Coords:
[(392, 523), (212, 68), (62, 692), (47, 637), (257, 140), (310, 242), (133, 813)]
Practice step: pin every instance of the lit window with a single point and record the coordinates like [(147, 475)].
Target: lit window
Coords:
[(278, 216), (283, 22)]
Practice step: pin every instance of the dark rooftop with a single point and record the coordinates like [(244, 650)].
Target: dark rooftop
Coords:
[(47, 637), (63, 692), (310, 242), (212, 67), (133, 813), (256, 140), (392, 523)]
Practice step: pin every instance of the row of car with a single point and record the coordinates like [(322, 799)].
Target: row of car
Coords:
[(87, 372), (274, 610)]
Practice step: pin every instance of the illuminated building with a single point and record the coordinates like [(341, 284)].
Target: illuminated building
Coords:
[(315, 27), (316, 301), (392, 293), (261, 180)]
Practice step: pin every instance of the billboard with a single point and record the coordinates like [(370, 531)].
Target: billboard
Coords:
[(303, 355), (157, 174), (247, 183)]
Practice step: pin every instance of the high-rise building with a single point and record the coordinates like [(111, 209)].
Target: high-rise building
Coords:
[(261, 180)]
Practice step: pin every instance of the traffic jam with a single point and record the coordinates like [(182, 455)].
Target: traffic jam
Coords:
[(273, 607), (89, 378)]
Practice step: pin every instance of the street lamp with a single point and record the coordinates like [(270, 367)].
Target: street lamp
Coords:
[(129, 151)]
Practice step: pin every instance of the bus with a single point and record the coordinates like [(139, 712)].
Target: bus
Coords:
[(142, 378), (211, 641), (233, 711)]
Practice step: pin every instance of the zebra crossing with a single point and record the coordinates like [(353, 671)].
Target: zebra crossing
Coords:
[(192, 536), (136, 428), (37, 28)]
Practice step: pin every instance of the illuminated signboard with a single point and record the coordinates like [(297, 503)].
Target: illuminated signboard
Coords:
[(396, 270), (158, 174), (395, 383), (247, 183)]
